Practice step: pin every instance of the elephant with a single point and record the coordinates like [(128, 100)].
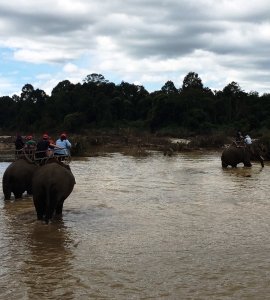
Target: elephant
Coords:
[(52, 184), (241, 153), (17, 178)]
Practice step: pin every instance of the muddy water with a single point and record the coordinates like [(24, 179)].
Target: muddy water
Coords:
[(149, 227)]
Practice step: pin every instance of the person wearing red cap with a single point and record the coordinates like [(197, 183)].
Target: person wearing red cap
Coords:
[(63, 143), (43, 145), (30, 144)]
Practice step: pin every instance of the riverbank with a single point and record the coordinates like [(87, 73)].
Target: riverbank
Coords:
[(82, 143)]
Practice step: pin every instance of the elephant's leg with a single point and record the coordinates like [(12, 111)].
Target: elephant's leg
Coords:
[(50, 209), (40, 217), (29, 190), (40, 206), (224, 165), (49, 214), (40, 212), (59, 208), (17, 194), (7, 192)]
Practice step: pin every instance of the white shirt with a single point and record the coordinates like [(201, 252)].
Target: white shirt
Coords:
[(248, 140)]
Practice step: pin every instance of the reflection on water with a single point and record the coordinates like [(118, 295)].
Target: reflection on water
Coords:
[(135, 227)]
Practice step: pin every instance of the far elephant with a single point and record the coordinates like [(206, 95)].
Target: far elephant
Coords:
[(17, 178), (52, 184), (241, 153)]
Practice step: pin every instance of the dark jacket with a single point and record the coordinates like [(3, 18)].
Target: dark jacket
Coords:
[(19, 144), (42, 146)]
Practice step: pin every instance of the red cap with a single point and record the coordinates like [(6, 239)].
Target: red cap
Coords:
[(63, 134), (51, 141), (45, 136), (30, 137)]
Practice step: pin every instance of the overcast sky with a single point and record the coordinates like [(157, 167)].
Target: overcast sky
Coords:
[(142, 42)]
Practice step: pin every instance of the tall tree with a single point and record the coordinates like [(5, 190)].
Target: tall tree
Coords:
[(192, 81), (63, 86), (96, 78), (234, 98), (169, 88), (8, 112), (27, 92)]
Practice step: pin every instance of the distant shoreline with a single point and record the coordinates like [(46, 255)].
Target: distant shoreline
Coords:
[(82, 143)]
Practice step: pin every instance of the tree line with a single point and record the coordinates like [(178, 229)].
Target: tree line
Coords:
[(97, 103)]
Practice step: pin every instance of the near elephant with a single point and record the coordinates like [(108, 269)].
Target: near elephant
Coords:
[(17, 178), (241, 153), (52, 184)]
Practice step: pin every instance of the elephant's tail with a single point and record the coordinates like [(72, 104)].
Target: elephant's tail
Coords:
[(48, 202), (48, 193)]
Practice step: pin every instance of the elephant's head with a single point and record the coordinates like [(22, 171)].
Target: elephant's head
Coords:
[(256, 153)]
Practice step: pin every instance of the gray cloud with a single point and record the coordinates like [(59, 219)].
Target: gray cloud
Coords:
[(235, 34)]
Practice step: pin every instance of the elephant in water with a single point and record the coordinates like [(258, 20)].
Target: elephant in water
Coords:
[(241, 153), (52, 184), (17, 178)]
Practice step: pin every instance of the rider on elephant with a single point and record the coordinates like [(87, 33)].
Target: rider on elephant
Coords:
[(239, 137), (30, 144), (43, 145), (19, 144), (248, 140), (64, 143)]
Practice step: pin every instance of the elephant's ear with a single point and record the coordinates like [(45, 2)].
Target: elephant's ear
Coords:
[(252, 149)]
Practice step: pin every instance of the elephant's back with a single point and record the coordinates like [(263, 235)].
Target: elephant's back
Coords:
[(20, 169), (52, 174)]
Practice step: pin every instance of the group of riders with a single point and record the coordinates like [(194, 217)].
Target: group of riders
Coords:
[(44, 148), (240, 138)]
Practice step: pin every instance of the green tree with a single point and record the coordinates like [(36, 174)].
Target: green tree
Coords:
[(162, 112), (8, 112), (74, 122), (95, 78), (128, 110), (116, 108), (195, 119), (107, 118), (63, 86), (169, 88), (235, 100), (192, 81)]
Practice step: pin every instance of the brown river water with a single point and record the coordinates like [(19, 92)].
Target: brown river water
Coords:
[(152, 227)]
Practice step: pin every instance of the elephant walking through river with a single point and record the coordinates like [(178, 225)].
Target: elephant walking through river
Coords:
[(17, 178), (241, 153), (52, 184)]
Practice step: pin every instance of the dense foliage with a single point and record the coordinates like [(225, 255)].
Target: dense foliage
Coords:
[(98, 103)]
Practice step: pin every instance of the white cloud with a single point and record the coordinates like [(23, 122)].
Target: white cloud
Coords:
[(44, 76), (142, 41)]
